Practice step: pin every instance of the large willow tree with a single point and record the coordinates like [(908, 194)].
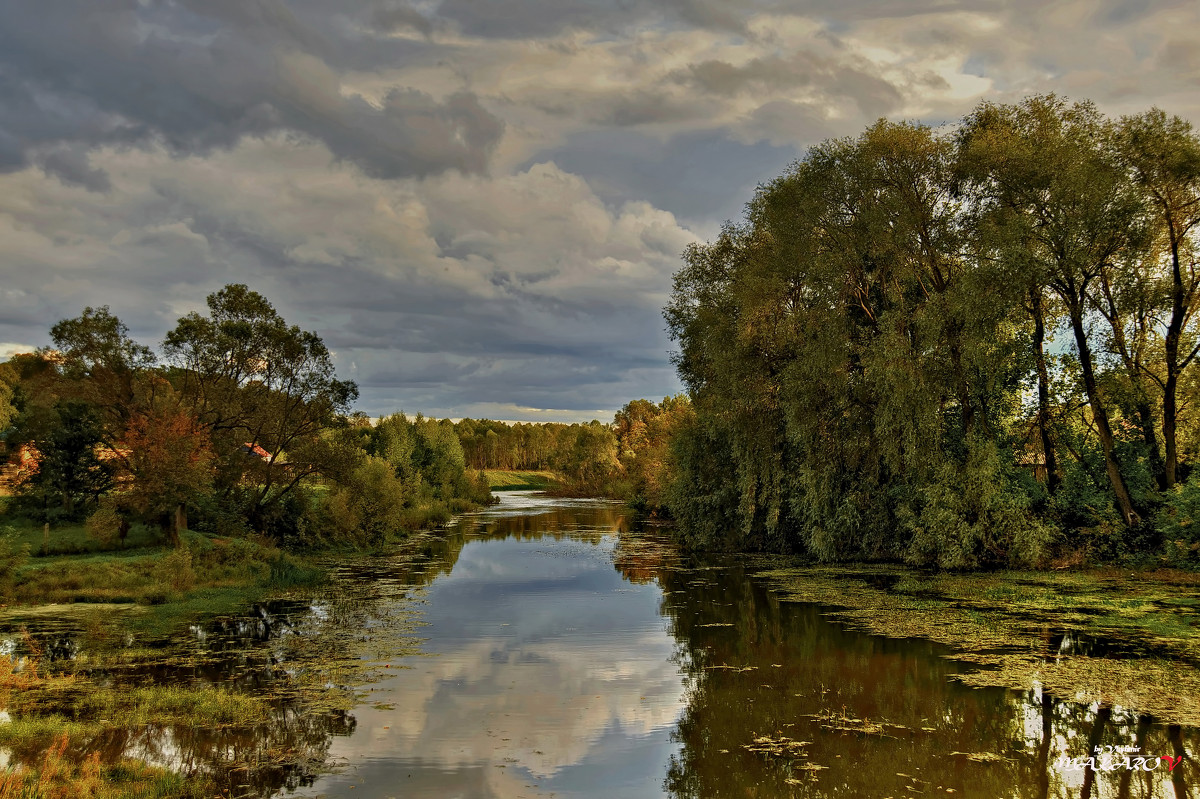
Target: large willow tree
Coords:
[(915, 339)]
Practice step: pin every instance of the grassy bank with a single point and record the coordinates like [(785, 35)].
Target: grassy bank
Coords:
[(144, 671), (1132, 639), (150, 573), (55, 711), (503, 480)]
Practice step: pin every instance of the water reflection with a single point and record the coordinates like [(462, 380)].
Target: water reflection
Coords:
[(567, 652), (551, 674), (881, 717), (290, 651)]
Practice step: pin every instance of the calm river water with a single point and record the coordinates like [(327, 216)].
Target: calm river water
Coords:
[(570, 656), (561, 652)]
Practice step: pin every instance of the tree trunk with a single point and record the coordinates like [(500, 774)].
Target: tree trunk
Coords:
[(1043, 751), (1139, 743), (1139, 408), (1145, 418), (1171, 345), (1100, 415), (179, 525), (1043, 415), (1178, 782), (1171, 461)]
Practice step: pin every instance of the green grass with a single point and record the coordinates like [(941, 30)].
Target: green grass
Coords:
[(73, 539), (505, 480), (205, 572)]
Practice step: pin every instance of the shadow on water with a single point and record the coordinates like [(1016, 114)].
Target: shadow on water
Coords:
[(836, 712), (757, 697)]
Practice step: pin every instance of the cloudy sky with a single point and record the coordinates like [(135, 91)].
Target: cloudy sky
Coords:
[(478, 204)]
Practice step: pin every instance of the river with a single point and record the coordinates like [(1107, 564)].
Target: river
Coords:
[(551, 648)]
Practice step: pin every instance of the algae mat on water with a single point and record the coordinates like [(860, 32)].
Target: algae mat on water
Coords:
[(1127, 639)]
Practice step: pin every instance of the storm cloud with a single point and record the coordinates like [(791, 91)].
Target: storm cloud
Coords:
[(479, 206)]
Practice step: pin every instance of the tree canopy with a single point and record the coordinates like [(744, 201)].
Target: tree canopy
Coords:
[(961, 347)]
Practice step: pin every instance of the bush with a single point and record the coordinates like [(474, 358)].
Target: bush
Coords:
[(175, 570), (12, 558), (107, 526), (366, 511), (1178, 522), (975, 517), (286, 572)]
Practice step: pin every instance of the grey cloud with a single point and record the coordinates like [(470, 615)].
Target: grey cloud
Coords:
[(836, 79), (392, 17), (704, 176), (620, 107), (561, 335), (539, 18), (539, 286), (69, 163), (205, 75), (1182, 55)]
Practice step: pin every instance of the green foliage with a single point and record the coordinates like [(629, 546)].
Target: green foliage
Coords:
[(1178, 522), (106, 526), (701, 493), (644, 432), (8, 409), (175, 570), (287, 572), (70, 475), (875, 352), (366, 511), (252, 382), (975, 517), (587, 458), (13, 555)]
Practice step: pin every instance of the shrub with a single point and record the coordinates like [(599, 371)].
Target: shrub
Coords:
[(1178, 522), (975, 517), (12, 558), (365, 511), (107, 526), (175, 570)]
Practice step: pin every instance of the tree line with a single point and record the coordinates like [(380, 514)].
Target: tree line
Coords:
[(241, 426), (627, 459), (961, 347)]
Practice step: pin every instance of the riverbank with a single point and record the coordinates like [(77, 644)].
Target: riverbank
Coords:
[(248, 674), (517, 480)]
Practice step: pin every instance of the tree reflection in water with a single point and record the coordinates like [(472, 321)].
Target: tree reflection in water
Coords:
[(881, 717)]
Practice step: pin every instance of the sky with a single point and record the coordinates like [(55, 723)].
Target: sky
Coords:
[(478, 204)]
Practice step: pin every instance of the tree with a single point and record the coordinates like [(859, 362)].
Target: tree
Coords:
[(1163, 155), (588, 457), (254, 384), (170, 462), (69, 469), (102, 365), (1041, 167), (8, 381), (644, 432), (858, 359)]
